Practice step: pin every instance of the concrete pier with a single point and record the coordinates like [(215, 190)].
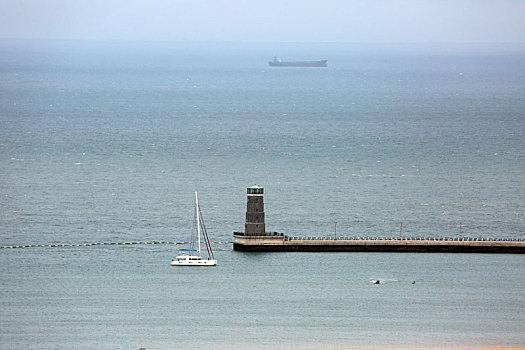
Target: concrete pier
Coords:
[(256, 239), (278, 242)]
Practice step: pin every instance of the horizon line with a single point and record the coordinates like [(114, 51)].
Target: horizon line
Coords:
[(270, 42)]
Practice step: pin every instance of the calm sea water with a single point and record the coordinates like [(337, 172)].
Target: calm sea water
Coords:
[(106, 142)]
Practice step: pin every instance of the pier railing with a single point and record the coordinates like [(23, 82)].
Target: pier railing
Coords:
[(418, 238)]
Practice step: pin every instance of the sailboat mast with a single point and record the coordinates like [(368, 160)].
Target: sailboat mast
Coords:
[(198, 223)]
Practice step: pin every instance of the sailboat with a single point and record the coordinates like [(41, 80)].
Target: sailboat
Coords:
[(192, 257)]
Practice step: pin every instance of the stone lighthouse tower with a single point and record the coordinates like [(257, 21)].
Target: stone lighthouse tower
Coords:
[(255, 225)]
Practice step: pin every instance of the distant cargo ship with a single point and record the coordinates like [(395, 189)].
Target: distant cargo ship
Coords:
[(277, 62)]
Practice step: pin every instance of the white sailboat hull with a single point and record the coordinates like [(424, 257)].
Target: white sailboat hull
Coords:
[(194, 263)]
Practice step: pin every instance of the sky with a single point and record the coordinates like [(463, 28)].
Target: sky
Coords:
[(351, 21)]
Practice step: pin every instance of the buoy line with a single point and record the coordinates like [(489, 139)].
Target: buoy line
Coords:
[(95, 244)]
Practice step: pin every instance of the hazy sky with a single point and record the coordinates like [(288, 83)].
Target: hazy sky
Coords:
[(397, 21)]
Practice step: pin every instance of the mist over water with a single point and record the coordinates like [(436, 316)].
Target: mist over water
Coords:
[(106, 142)]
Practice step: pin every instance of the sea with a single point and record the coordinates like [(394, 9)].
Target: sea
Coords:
[(107, 141)]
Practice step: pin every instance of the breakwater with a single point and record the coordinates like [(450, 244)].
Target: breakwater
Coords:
[(278, 242)]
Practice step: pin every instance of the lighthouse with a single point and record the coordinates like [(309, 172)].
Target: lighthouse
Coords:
[(255, 225)]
